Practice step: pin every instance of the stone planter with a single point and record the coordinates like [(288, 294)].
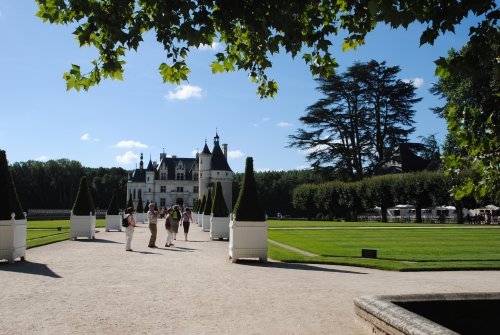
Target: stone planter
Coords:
[(113, 222), (248, 239), (199, 219), (206, 222), (13, 239), (219, 227), (82, 226), (141, 217)]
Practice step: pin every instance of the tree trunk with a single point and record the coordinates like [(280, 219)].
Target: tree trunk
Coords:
[(418, 213)]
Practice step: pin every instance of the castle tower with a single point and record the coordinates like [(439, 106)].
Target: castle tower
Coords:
[(221, 172), (204, 166)]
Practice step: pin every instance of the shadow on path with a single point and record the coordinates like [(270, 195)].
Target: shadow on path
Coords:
[(97, 241), (295, 266), (29, 268)]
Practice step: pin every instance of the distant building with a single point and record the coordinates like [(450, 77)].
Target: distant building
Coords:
[(404, 159), (177, 180)]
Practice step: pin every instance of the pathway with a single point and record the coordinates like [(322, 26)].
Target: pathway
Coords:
[(95, 287)]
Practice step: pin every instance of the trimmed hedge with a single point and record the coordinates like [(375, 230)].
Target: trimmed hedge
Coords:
[(130, 203), (83, 204), (219, 207), (9, 201), (140, 206), (208, 205), (202, 206), (248, 206), (113, 208)]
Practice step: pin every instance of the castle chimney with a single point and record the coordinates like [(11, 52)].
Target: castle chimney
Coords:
[(225, 149)]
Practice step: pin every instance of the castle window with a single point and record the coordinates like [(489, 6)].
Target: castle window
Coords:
[(180, 189), (217, 172), (149, 190), (134, 194), (195, 189), (163, 176), (162, 202), (195, 177), (163, 189), (179, 176), (139, 193), (148, 178)]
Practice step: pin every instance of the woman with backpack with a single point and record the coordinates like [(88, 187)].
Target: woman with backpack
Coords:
[(176, 216), (129, 230), (169, 222), (186, 220)]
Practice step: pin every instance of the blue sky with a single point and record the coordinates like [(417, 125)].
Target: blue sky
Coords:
[(114, 122)]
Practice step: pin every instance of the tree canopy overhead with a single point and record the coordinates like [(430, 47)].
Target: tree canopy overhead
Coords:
[(250, 30)]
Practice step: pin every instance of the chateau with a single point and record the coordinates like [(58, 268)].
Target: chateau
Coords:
[(177, 180)]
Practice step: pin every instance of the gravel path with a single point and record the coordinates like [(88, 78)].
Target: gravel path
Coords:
[(95, 287)]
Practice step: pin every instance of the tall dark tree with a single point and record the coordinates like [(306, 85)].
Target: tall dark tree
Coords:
[(363, 109), (388, 104), (471, 89)]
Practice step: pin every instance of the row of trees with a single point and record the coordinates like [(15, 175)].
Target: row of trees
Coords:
[(54, 184), (348, 199)]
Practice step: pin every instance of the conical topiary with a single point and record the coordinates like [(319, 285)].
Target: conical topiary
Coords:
[(146, 207), (9, 202), (248, 206), (113, 208), (219, 208), (195, 206), (208, 205), (202, 205), (140, 206), (130, 203), (84, 205)]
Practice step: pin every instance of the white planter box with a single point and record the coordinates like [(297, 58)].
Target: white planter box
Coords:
[(199, 219), (13, 239), (219, 227), (206, 222), (248, 239), (141, 217), (113, 222), (82, 226)]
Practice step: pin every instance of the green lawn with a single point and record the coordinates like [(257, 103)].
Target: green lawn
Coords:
[(398, 249), (46, 232), (309, 224)]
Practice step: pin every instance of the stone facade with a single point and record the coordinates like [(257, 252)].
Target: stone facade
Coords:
[(182, 180)]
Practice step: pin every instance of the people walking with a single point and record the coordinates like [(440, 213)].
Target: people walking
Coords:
[(129, 230), (186, 220), (153, 219), (176, 215), (169, 222)]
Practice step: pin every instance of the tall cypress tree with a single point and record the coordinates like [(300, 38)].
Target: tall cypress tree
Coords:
[(113, 208), (9, 202), (219, 207), (248, 206), (208, 205), (84, 204), (202, 206)]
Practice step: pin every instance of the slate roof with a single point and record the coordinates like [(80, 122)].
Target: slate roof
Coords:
[(205, 149), (219, 161), (172, 162)]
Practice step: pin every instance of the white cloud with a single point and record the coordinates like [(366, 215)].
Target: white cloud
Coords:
[(417, 82), (207, 47), (194, 152), (234, 154), (265, 119), (42, 158), (283, 124), (130, 144), (128, 158), (303, 167), (184, 92), (319, 147), (85, 137)]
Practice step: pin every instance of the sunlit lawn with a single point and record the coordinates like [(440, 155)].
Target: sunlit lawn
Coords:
[(45, 232), (398, 249)]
